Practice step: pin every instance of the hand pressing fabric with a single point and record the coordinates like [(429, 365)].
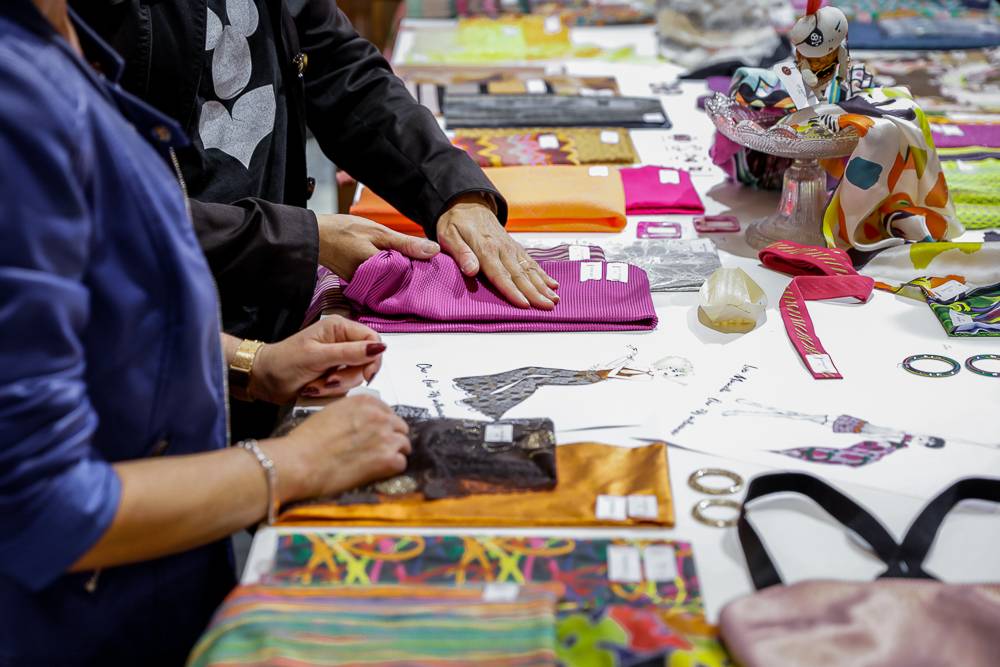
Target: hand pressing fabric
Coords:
[(346, 241), (470, 232), (326, 359)]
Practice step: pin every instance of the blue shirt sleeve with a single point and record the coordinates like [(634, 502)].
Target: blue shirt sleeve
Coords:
[(58, 495)]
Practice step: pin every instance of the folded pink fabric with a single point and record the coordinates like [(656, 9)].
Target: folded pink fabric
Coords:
[(394, 294), (659, 191)]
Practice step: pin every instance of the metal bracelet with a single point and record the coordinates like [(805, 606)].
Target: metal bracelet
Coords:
[(270, 473), (698, 512), (694, 481), (970, 363), (909, 367)]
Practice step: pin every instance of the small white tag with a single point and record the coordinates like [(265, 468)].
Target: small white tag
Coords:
[(643, 507), (653, 117), (965, 166), (960, 319), (618, 272), (624, 564), (605, 92), (611, 508), (791, 78), (610, 137), (670, 177), (500, 592), (599, 171), (536, 86), (821, 363), (548, 142), (947, 130), (659, 563), (588, 92), (949, 290), (553, 24), (499, 433), (591, 271), (579, 253), (510, 30)]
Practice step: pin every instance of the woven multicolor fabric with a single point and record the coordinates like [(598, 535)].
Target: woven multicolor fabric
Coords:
[(552, 146), (386, 626)]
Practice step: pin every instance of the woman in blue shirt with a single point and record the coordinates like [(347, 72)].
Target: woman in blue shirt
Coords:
[(117, 489)]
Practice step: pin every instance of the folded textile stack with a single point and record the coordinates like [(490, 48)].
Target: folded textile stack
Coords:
[(476, 111), (547, 146)]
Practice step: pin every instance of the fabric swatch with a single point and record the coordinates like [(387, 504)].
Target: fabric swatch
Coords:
[(973, 314), (479, 111), (655, 190), (539, 199), (388, 626), (672, 265), (970, 263), (622, 471), (975, 188), (948, 134), (394, 294), (540, 146)]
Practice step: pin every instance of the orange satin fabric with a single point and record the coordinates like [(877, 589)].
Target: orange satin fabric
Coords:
[(539, 199), (585, 470)]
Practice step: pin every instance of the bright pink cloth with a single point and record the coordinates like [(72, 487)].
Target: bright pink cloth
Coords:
[(394, 294), (646, 193)]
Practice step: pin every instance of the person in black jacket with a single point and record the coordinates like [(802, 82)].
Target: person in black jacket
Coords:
[(245, 79)]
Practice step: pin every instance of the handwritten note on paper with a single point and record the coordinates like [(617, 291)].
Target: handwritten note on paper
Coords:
[(739, 377), (430, 384)]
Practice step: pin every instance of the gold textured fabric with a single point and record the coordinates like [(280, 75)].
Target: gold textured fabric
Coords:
[(542, 146)]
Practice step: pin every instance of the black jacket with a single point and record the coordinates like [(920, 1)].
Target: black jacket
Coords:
[(264, 254)]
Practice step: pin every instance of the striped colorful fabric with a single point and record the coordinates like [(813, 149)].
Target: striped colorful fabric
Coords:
[(552, 146), (394, 294), (386, 626)]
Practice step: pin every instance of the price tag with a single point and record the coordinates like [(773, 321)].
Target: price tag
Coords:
[(591, 271), (659, 563), (821, 363), (553, 24), (500, 592), (947, 130), (605, 92), (610, 137), (643, 507), (948, 290), (670, 177), (624, 564), (499, 433), (579, 253), (611, 508), (960, 319), (599, 171), (654, 117), (536, 86), (618, 272), (790, 76), (588, 92), (511, 30), (548, 142)]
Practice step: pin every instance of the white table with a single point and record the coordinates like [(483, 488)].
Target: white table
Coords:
[(803, 540)]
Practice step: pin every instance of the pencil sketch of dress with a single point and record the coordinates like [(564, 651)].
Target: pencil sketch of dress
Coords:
[(495, 395)]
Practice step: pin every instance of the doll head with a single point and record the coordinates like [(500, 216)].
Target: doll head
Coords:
[(819, 32)]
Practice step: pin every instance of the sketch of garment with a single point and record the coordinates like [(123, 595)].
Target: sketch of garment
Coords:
[(495, 395), (854, 456)]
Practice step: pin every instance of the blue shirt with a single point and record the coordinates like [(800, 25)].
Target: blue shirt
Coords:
[(109, 351)]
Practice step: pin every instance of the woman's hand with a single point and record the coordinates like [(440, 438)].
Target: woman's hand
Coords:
[(324, 360), (346, 241), (349, 443)]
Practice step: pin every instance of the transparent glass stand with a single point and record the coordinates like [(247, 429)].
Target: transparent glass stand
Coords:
[(799, 217)]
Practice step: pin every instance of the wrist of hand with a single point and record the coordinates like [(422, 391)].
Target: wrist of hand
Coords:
[(484, 199), (293, 476)]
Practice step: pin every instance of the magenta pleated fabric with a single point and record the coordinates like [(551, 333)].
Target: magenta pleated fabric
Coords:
[(659, 191), (394, 294)]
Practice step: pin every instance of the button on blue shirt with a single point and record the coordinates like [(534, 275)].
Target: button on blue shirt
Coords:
[(109, 351)]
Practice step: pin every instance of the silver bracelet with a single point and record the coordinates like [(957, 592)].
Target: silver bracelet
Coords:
[(270, 472)]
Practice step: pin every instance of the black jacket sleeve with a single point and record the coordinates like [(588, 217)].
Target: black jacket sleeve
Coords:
[(264, 259), (369, 125)]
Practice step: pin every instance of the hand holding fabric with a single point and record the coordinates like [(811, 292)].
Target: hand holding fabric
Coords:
[(345, 241), (470, 232), (324, 360)]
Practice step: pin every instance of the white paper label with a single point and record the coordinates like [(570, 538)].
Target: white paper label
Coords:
[(670, 177), (553, 24), (643, 507), (605, 92), (548, 142), (960, 319), (579, 253), (790, 76), (536, 86), (588, 92), (947, 130), (599, 171), (659, 563), (591, 271), (821, 363), (610, 137), (611, 508), (624, 564), (499, 433), (618, 272), (510, 30), (653, 117), (949, 290), (501, 592)]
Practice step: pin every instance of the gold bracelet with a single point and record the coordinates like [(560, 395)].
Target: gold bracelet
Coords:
[(242, 367), (270, 472)]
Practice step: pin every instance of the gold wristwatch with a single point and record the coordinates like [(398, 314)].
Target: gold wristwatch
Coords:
[(241, 368)]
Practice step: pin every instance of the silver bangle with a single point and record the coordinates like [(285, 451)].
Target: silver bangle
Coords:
[(270, 472), (694, 481), (698, 512)]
